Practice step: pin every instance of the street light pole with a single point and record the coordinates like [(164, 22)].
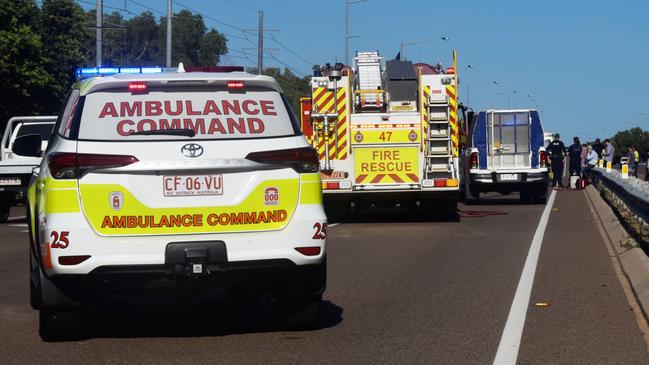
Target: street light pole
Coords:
[(347, 35), (468, 89), (508, 97), (404, 44)]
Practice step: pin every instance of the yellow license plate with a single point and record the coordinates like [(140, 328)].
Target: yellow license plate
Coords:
[(387, 165)]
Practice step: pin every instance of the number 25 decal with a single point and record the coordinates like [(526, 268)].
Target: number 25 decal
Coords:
[(60, 240), (320, 231)]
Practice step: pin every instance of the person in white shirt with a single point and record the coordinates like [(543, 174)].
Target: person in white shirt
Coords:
[(591, 160)]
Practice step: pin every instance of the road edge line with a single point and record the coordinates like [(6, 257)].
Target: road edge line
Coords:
[(639, 310), (510, 339)]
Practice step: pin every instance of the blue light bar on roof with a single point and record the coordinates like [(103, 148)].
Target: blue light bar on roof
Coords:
[(85, 72), (151, 70)]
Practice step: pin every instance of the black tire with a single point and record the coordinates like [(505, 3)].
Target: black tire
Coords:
[(473, 195), (541, 194), (34, 296), (57, 325), (6, 201), (526, 196), (298, 313), (34, 278)]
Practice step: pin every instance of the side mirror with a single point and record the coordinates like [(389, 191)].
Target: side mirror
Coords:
[(29, 145)]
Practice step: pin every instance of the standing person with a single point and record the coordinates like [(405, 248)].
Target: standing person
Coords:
[(584, 153), (591, 160), (636, 154), (609, 151), (632, 161), (598, 147), (574, 152), (557, 151)]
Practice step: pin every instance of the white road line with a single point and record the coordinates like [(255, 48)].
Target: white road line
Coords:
[(332, 225), (511, 338), (19, 225)]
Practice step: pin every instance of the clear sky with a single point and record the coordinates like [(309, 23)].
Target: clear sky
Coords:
[(582, 63)]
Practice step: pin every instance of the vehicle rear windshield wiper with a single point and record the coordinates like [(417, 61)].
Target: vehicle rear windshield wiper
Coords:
[(186, 132)]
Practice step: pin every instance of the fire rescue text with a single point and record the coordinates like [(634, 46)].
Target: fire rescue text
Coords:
[(386, 161)]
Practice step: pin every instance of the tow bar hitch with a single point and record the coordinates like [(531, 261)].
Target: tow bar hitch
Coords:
[(195, 259)]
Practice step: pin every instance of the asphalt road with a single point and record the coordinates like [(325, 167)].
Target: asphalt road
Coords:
[(400, 290)]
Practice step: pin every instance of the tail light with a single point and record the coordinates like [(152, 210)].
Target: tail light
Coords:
[(309, 251), (74, 165), (473, 160), (72, 260), (235, 85), (137, 88), (543, 159), (301, 160)]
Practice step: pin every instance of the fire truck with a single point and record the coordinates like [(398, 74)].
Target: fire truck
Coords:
[(388, 133)]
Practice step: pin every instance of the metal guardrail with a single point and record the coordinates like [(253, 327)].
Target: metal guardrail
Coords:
[(633, 192)]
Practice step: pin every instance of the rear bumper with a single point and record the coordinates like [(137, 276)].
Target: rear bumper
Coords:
[(488, 181), (279, 276), (391, 197)]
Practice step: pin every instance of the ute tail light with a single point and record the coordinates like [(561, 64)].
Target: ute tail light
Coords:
[(302, 160), (74, 165), (473, 160), (543, 159)]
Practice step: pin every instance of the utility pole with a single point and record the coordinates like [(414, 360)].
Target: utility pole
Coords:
[(347, 35), (260, 44), (169, 14), (99, 15)]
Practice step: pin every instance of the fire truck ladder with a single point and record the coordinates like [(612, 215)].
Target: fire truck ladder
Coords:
[(439, 152)]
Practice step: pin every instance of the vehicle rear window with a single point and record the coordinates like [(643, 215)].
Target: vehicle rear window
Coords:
[(44, 130), (212, 113)]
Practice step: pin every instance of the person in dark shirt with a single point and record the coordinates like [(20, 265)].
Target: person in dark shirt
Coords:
[(598, 147), (557, 152), (574, 152)]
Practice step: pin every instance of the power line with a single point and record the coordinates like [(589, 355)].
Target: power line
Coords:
[(210, 18), (303, 41), (291, 51), (108, 7), (148, 7), (286, 65)]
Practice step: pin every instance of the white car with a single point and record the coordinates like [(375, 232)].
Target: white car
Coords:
[(15, 169), (175, 179)]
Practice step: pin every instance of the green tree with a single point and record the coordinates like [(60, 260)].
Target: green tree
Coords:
[(212, 46), (191, 45), (142, 41), (186, 34), (114, 40), (62, 25), (634, 137), (294, 87), (23, 76)]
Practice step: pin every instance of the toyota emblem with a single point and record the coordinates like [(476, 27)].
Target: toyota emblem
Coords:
[(191, 150)]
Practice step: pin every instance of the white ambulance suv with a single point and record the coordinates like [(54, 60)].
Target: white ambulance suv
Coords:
[(174, 179)]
